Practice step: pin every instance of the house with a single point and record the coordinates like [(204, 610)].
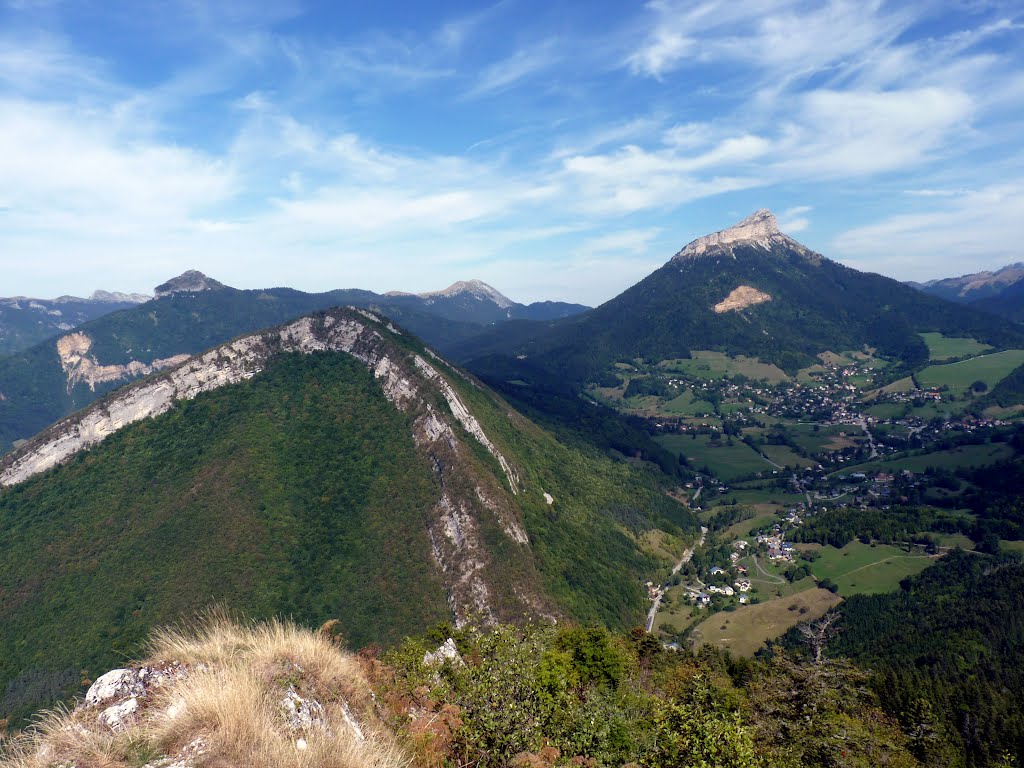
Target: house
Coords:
[(716, 570), (744, 599), (743, 585), (703, 600)]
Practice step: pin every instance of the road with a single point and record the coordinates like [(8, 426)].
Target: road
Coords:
[(651, 614), (768, 576), (871, 438)]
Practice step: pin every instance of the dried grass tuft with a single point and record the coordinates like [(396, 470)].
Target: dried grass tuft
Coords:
[(229, 707)]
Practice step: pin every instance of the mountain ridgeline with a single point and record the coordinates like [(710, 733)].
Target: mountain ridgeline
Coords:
[(747, 290), (192, 313), (332, 467), (25, 322)]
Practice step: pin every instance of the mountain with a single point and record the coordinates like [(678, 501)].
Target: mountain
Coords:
[(25, 321), (746, 290), (190, 281), (977, 286), (476, 301), (193, 312), (332, 467), (1008, 303)]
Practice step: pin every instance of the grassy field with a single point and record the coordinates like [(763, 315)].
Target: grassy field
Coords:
[(959, 376), (760, 496), (887, 410), (865, 569), (716, 365), (785, 456), (678, 613), (900, 385), (1012, 546), (955, 540), (743, 528), (815, 438), (725, 462), (687, 404), (746, 629), (943, 348), (964, 456)]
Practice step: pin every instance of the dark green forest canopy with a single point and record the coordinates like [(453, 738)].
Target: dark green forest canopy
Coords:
[(947, 653)]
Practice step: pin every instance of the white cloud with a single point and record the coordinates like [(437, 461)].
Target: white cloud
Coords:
[(72, 165), (783, 39), (520, 65), (966, 233), (794, 219)]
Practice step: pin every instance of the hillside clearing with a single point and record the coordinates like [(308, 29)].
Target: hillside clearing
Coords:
[(944, 348), (746, 629), (990, 369), (867, 569)]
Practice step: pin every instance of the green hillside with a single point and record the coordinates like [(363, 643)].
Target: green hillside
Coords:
[(301, 492)]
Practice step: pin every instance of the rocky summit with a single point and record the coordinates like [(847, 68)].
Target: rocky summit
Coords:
[(190, 281), (760, 229)]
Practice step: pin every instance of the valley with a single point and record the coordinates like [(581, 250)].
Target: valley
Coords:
[(770, 452)]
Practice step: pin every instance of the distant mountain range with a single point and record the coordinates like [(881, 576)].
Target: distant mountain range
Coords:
[(26, 321), (1000, 292), (193, 312), (978, 285)]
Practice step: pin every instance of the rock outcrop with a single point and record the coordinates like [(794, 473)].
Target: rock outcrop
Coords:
[(478, 289), (741, 297), (80, 365), (760, 229)]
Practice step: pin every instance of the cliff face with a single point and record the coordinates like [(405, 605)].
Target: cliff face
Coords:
[(443, 425)]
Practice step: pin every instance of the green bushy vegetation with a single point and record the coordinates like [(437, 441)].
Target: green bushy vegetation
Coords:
[(542, 696)]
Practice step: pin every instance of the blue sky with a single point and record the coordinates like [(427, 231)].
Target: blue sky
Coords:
[(555, 149)]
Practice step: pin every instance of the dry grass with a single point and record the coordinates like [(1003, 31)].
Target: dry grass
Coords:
[(229, 710), (746, 629)]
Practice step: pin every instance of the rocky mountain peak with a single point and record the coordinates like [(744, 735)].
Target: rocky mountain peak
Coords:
[(476, 288), (190, 281), (112, 297), (761, 229)]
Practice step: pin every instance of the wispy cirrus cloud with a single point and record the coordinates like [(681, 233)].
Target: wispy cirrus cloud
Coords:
[(964, 232), (519, 66)]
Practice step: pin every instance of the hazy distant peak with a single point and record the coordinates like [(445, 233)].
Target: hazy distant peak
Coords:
[(190, 281), (118, 297), (964, 285), (761, 228), (476, 288)]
